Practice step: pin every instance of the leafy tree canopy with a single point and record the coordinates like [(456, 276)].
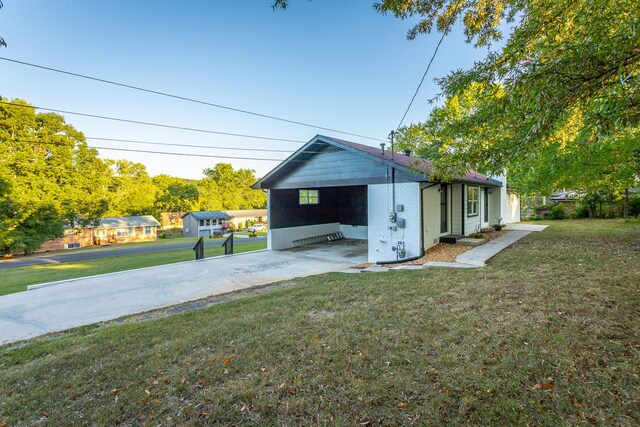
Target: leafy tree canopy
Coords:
[(49, 177), (558, 105)]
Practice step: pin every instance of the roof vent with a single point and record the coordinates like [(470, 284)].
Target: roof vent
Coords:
[(407, 152), (382, 148)]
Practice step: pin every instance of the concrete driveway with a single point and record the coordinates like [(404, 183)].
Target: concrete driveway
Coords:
[(89, 300)]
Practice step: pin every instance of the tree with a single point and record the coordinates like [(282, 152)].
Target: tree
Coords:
[(49, 178), (132, 189), (174, 194), (560, 102), (2, 42), (225, 188)]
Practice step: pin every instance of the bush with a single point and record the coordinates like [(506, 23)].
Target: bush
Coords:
[(557, 212)]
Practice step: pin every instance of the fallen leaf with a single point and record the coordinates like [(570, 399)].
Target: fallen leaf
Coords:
[(244, 408), (402, 405), (537, 386), (316, 340), (146, 390), (203, 414), (548, 386), (182, 380), (202, 380), (145, 401), (281, 386), (577, 405), (227, 361), (263, 369)]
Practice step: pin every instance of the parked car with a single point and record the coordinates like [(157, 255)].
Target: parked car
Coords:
[(256, 227)]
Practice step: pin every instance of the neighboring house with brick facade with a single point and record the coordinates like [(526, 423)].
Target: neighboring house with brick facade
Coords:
[(334, 186), (120, 229)]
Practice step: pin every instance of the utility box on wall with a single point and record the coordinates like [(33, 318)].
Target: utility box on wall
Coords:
[(400, 223)]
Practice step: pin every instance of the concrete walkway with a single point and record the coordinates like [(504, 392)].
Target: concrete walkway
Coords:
[(479, 255), (78, 302)]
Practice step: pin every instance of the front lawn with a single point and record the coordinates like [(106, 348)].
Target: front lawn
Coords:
[(17, 279), (547, 334)]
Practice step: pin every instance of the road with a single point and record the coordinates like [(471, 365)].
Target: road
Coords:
[(99, 252)]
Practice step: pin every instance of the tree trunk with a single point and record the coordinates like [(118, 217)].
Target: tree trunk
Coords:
[(625, 212)]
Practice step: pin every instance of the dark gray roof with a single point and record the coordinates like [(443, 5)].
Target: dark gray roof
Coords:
[(396, 160), (208, 215), (128, 221)]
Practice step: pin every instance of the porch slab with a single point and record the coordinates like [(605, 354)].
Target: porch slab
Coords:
[(471, 242)]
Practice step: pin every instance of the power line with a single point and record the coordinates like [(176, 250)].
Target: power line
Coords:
[(150, 151), (444, 33), (185, 154), (133, 141), (183, 98), (117, 119), (170, 153)]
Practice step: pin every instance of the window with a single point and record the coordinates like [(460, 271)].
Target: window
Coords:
[(71, 245), (124, 232), (309, 197), (147, 230), (473, 194), (202, 223)]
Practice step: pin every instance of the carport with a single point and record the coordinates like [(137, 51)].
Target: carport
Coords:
[(298, 215)]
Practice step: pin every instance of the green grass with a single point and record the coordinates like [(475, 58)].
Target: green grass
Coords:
[(17, 279), (547, 334)]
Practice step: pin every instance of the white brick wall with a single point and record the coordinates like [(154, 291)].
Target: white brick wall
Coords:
[(381, 238)]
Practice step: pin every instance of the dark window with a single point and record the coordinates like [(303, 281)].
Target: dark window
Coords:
[(486, 204), (444, 224)]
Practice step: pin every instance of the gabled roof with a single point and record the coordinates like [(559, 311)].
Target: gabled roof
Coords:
[(409, 164), (209, 215), (128, 221)]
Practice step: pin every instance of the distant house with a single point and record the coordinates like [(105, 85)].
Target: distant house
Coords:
[(120, 229), (244, 218), (123, 229), (204, 223)]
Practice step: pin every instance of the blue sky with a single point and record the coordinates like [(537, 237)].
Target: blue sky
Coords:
[(337, 64)]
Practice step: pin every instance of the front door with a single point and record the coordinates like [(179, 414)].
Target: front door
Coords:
[(444, 223)]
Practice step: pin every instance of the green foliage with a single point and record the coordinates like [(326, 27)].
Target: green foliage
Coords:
[(49, 177), (175, 194), (557, 212), (226, 188)]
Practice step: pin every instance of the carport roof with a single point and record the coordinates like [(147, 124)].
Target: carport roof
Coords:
[(400, 161)]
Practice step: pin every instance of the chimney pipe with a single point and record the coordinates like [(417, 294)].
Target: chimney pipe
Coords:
[(407, 152), (382, 148)]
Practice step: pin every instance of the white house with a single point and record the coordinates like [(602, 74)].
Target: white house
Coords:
[(204, 223), (331, 185)]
